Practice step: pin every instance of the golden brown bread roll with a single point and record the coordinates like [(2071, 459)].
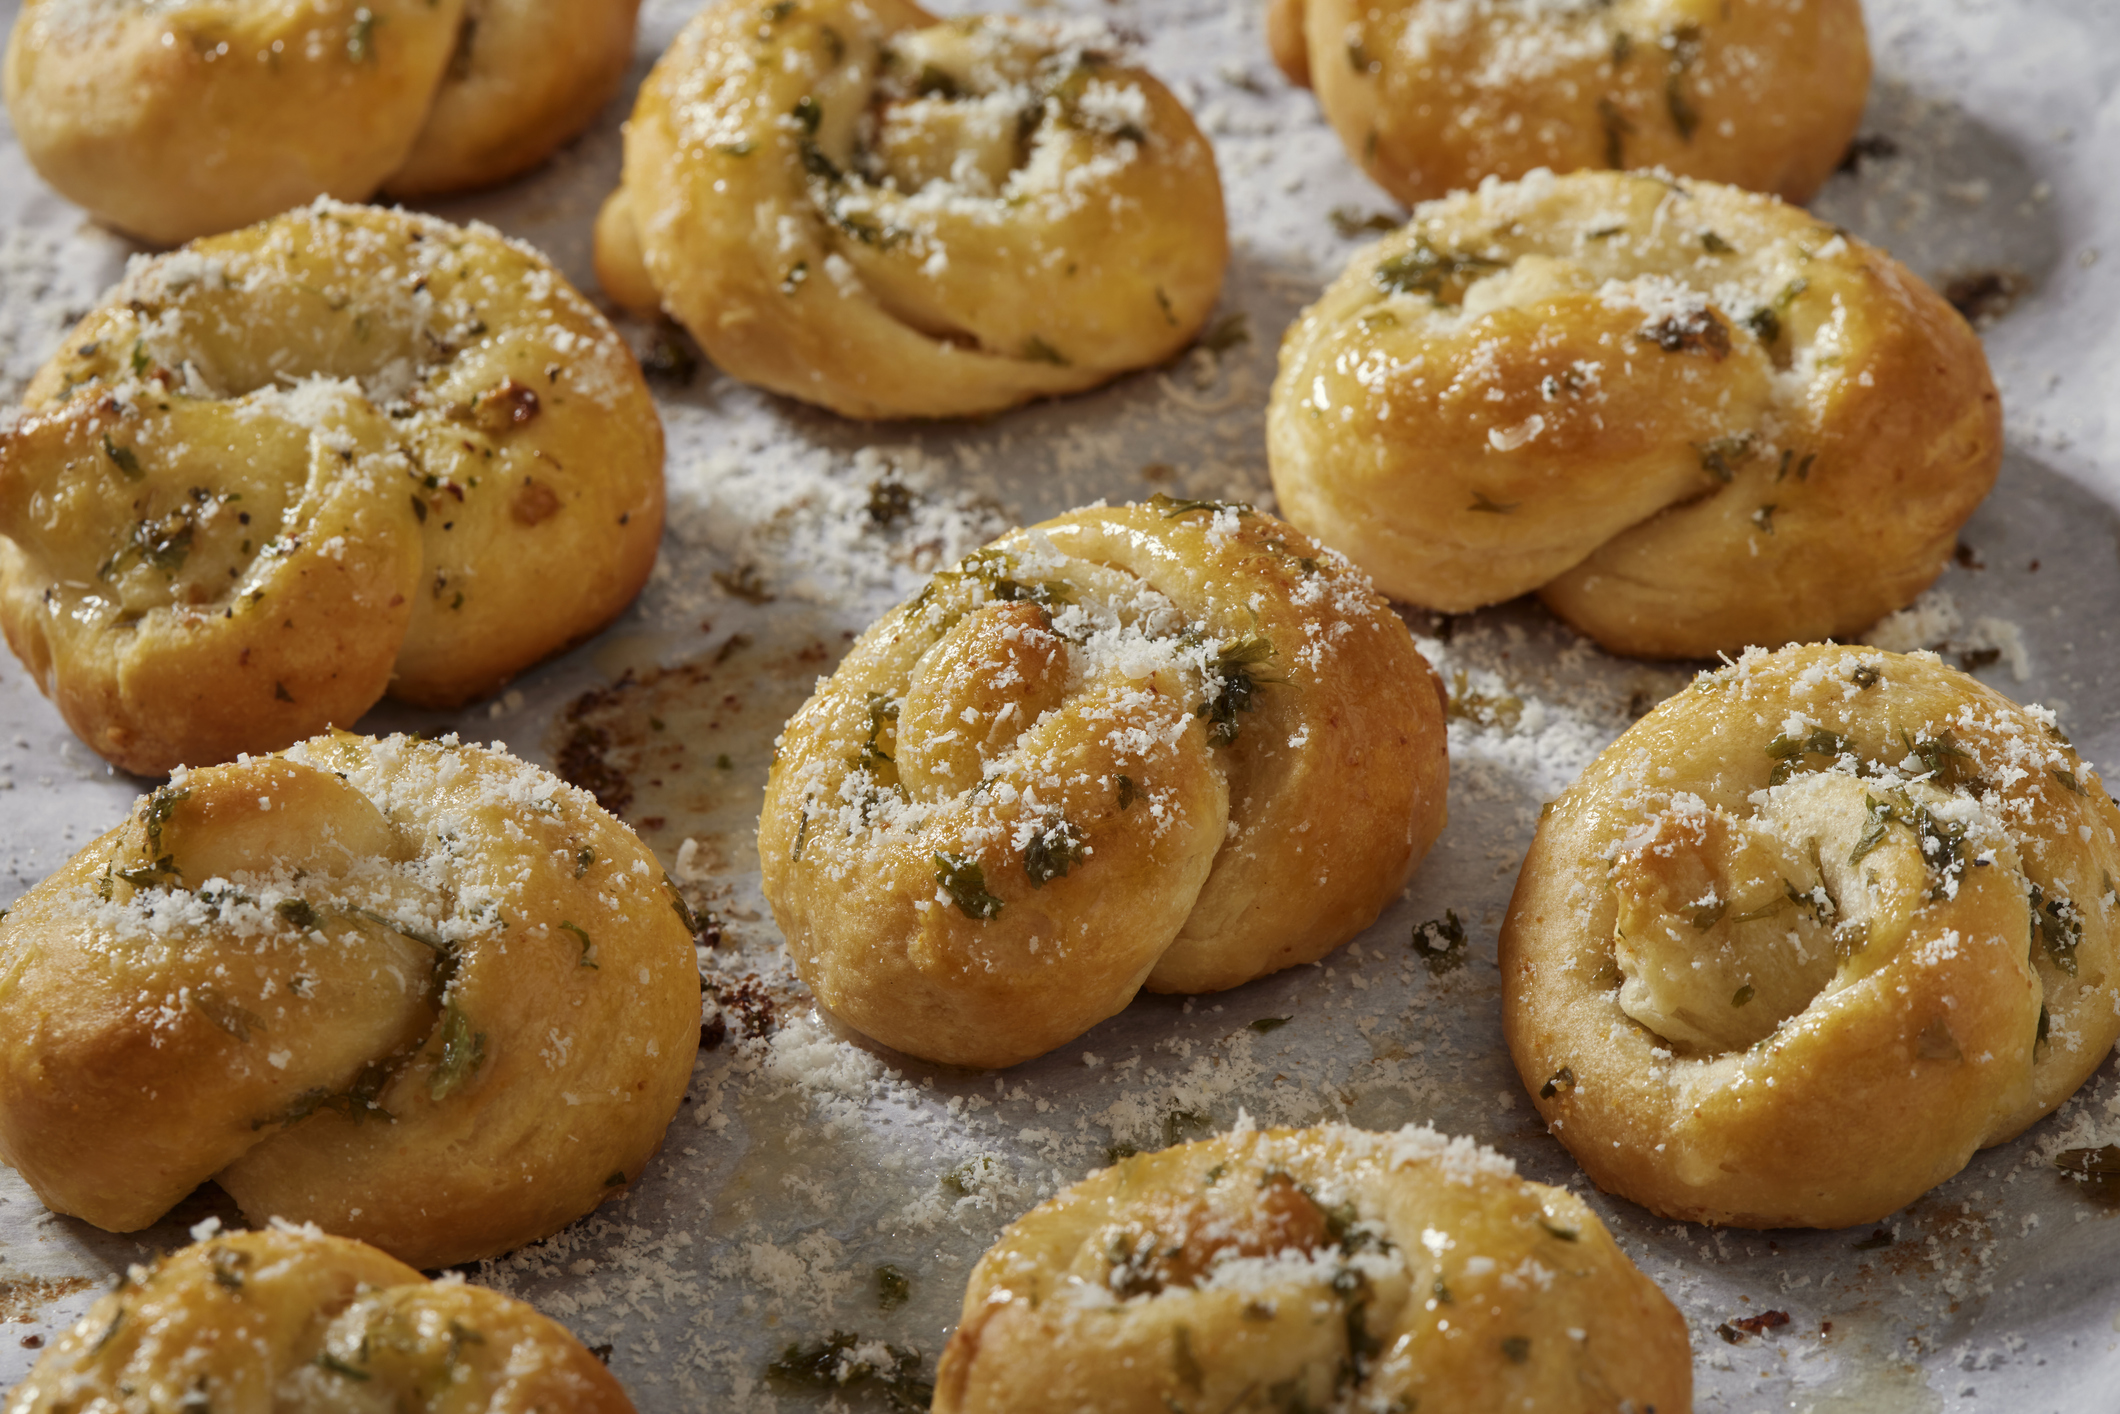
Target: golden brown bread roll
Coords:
[(1691, 418), (1175, 744), (174, 121), (286, 470), (1809, 934), (857, 205), (418, 993), (288, 1318), (1326, 1268), (1431, 96)]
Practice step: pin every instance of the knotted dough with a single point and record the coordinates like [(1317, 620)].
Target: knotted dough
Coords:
[(184, 118), (1431, 96), (1175, 744), (1691, 418), (418, 993), (288, 1318), (852, 203), (1327, 1268), (286, 470), (1811, 933)]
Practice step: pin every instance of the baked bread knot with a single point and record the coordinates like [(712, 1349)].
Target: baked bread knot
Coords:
[(177, 120), (1326, 1268), (1689, 417), (415, 992), (854, 204), (1432, 96), (1811, 933), (286, 470), (1176, 744), (288, 1318)]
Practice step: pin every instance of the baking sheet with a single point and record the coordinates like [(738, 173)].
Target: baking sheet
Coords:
[(805, 1158)]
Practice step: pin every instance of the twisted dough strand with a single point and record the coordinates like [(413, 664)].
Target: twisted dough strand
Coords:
[(1175, 744), (288, 1318), (859, 206), (1811, 933)]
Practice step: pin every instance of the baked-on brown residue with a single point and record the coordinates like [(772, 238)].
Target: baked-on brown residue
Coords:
[(23, 1299)]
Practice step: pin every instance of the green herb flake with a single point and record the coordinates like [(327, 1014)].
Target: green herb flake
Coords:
[(1183, 1364), (1554, 1229), (1866, 676), (1722, 457), (1173, 507), (2068, 778), (1227, 332), (965, 882), (298, 912), (1351, 221), (463, 1052), (1052, 852), (1517, 1348), (1617, 126), (1440, 943), (1694, 331), (235, 1020), (1716, 245), (360, 48), (1881, 813), (1705, 916), (588, 958), (1561, 1083), (583, 858), (1233, 687), (228, 1265), (808, 113), (328, 1361), (1267, 1024), (615, 1179), (1128, 792), (1037, 350), (127, 463), (1427, 271), (893, 1288), (1743, 995), (139, 358), (831, 1365)]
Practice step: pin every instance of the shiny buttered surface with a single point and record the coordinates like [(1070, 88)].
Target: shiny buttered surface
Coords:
[(1691, 418), (1318, 1268), (1175, 744), (176, 120), (1431, 96), (1811, 933), (284, 471), (854, 204), (416, 992), (288, 1318)]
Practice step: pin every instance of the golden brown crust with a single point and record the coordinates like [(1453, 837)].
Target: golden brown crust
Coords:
[(1176, 745), (1432, 97), (855, 205), (182, 120), (1692, 418), (171, 122), (525, 76), (290, 1318), (419, 994), (1338, 1267), (1809, 934), (286, 469)]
